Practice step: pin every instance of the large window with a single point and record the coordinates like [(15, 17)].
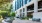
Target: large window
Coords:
[(39, 4), (25, 1), (31, 7), (29, 0), (15, 6), (18, 4), (22, 2)]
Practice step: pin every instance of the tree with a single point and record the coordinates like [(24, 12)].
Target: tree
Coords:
[(4, 15), (10, 8), (5, 6), (13, 14), (6, 1)]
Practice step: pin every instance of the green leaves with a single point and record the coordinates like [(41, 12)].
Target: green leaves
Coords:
[(12, 14), (5, 1), (5, 7)]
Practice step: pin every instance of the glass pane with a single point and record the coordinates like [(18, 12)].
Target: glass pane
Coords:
[(23, 9)]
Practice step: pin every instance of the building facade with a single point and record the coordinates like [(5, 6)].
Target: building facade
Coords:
[(20, 3), (29, 8)]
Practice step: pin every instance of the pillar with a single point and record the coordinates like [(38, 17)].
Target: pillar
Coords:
[(25, 11), (35, 9), (35, 6)]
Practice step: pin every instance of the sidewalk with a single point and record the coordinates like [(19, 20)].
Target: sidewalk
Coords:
[(24, 21), (1, 20)]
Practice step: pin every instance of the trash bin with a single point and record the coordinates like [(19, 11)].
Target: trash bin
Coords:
[(36, 19)]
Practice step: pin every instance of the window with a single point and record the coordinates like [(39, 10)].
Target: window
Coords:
[(25, 1), (20, 3), (23, 14), (31, 7), (39, 4), (15, 6), (29, 0), (23, 9), (20, 15), (20, 10)]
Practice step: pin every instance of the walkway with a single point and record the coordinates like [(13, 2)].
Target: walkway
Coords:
[(24, 21)]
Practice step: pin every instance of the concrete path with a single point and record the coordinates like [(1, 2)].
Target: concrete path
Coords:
[(24, 21)]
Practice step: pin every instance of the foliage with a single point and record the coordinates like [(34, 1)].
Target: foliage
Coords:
[(25, 18), (7, 15), (5, 1), (13, 14), (30, 16), (6, 7), (4, 15), (10, 8)]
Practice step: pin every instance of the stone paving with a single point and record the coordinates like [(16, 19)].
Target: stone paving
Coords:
[(25, 21)]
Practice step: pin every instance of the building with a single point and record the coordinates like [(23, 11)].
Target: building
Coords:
[(19, 4), (29, 7)]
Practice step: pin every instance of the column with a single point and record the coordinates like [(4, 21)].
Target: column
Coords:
[(35, 6), (25, 11), (35, 14), (22, 12)]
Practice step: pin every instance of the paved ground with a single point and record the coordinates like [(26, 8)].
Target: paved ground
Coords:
[(0, 22), (24, 21)]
